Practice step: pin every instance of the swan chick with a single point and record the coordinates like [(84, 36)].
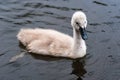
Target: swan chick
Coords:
[(54, 43)]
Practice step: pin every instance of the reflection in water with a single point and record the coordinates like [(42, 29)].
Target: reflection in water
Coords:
[(78, 68), (77, 65)]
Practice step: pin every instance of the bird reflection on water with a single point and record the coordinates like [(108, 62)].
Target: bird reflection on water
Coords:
[(78, 68), (77, 65)]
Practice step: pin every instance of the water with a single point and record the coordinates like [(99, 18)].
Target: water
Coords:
[(103, 54)]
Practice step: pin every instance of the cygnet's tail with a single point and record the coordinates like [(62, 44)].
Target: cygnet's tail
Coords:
[(14, 58)]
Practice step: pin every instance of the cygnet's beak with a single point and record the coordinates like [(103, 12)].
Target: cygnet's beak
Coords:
[(83, 33)]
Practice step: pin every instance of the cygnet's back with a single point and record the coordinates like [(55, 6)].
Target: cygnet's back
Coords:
[(46, 41)]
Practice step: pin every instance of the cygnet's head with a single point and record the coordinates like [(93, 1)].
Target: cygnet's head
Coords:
[(79, 23)]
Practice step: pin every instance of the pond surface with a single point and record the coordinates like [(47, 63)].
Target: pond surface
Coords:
[(103, 54)]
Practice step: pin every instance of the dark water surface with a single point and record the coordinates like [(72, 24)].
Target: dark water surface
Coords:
[(103, 55)]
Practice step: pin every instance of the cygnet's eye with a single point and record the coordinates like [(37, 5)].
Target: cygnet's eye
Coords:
[(77, 23)]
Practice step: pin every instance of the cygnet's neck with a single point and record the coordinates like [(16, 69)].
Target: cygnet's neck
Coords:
[(79, 46)]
